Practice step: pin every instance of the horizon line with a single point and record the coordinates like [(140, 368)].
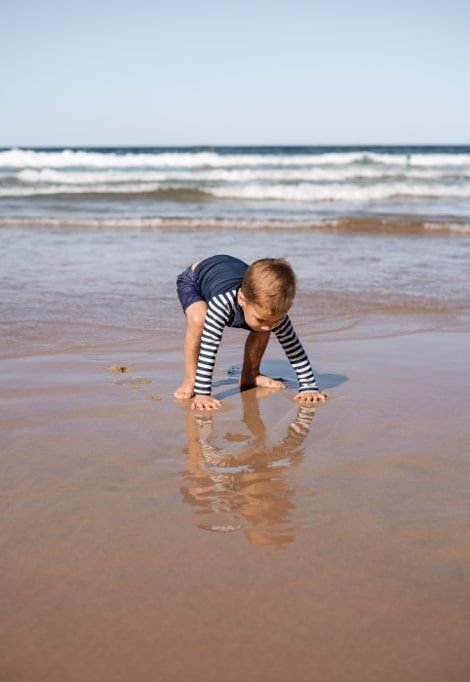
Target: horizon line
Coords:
[(233, 145)]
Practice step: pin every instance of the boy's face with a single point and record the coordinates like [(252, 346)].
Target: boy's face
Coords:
[(256, 317)]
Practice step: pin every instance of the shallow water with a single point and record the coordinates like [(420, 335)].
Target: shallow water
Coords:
[(66, 289)]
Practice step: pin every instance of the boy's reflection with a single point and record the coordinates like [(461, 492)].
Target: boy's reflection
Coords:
[(249, 489)]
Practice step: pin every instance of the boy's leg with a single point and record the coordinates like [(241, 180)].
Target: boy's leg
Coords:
[(254, 350), (196, 315)]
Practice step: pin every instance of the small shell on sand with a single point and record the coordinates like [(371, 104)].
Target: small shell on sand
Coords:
[(153, 396), (120, 369)]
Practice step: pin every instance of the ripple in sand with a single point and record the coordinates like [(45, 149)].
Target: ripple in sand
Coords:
[(134, 382)]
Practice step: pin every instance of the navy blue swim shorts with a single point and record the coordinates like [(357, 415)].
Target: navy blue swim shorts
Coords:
[(187, 289)]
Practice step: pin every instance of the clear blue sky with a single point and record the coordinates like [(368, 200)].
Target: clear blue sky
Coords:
[(187, 72)]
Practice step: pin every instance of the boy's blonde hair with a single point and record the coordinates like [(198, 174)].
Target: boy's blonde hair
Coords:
[(270, 283)]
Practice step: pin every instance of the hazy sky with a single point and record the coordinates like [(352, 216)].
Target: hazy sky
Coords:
[(187, 72)]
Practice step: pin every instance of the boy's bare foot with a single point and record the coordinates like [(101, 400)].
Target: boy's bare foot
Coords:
[(266, 382), (185, 391)]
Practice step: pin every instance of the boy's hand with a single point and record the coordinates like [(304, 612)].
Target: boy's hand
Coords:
[(308, 397), (205, 402)]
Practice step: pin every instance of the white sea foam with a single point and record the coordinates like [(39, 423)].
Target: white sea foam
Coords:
[(85, 177), (20, 158), (416, 159), (131, 188), (69, 158), (182, 223), (65, 177), (342, 192), (440, 160), (157, 223), (462, 228), (279, 192)]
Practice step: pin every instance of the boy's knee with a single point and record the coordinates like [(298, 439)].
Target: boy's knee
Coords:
[(196, 319), (196, 324)]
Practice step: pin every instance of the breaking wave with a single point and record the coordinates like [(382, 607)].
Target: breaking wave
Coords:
[(247, 181), (71, 158)]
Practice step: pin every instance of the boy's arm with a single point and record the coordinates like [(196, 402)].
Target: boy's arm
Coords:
[(296, 355), (217, 316)]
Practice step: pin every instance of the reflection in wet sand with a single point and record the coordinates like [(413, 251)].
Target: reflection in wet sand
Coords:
[(248, 489)]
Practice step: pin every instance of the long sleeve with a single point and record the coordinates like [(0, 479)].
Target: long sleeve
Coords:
[(300, 427), (296, 355), (218, 313)]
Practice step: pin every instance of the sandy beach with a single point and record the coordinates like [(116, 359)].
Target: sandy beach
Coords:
[(261, 542), (144, 542)]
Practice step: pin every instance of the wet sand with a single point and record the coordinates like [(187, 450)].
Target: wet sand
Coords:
[(263, 542)]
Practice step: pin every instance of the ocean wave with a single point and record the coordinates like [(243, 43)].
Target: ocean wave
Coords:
[(70, 158), (372, 225), (457, 160), (91, 177), (301, 192), (20, 158), (149, 190), (342, 192)]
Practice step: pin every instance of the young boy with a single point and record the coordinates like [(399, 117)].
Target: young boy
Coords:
[(224, 291)]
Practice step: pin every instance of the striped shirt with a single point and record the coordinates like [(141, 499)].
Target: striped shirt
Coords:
[(220, 311)]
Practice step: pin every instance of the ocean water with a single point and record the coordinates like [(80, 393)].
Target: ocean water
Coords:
[(247, 187)]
